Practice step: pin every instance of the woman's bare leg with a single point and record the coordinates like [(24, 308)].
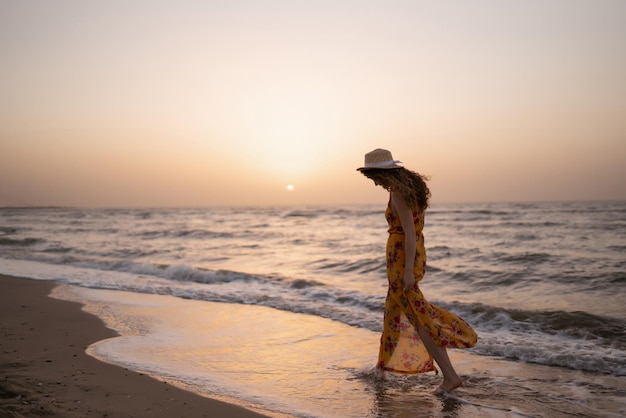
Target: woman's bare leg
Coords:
[(451, 379)]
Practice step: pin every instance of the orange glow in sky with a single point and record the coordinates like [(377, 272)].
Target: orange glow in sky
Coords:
[(199, 103)]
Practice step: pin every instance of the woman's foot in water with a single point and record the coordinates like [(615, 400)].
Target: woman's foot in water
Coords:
[(448, 386)]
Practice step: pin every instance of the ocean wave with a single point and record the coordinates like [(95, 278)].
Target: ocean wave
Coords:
[(58, 249), (578, 324), (20, 242), (615, 277), (536, 349), (577, 340), (487, 212), (523, 258), (362, 265), (196, 234), (8, 230), (303, 284), (526, 225), (301, 214), (185, 273)]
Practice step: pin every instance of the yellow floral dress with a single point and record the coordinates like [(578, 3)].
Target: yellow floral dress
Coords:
[(401, 349)]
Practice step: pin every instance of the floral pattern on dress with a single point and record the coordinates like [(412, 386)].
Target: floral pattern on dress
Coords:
[(401, 349)]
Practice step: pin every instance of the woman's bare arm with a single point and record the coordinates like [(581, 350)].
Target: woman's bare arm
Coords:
[(406, 220)]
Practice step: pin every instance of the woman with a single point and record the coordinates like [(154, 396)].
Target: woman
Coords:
[(415, 331)]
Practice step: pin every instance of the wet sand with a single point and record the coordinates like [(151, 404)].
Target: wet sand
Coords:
[(44, 370)]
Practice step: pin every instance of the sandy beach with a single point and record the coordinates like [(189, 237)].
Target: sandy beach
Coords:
[(44, 370)]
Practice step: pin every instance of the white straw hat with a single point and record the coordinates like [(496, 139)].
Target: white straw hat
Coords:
[(379, 159)]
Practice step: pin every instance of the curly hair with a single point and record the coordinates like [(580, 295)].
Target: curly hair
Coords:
[(411, 185)]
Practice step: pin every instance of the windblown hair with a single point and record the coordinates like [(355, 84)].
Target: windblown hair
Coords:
[(411, 185)]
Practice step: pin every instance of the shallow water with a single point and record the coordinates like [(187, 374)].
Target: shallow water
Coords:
[(287, 364)]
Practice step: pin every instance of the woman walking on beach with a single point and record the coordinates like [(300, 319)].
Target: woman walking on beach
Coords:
[(415, 331)]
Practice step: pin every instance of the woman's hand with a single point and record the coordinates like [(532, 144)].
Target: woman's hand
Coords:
[(408, 280)]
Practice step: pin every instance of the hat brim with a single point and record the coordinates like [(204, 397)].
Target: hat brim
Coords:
[(384, 167)]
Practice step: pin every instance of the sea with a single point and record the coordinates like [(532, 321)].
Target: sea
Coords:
[(542, 283)]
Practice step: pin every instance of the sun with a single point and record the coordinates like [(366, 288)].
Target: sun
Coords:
[(290, 187)]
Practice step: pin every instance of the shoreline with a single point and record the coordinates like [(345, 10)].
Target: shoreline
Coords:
[(45, 370), (283, 364)]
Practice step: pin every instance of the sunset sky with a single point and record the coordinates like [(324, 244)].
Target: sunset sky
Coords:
[(189, 103)]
